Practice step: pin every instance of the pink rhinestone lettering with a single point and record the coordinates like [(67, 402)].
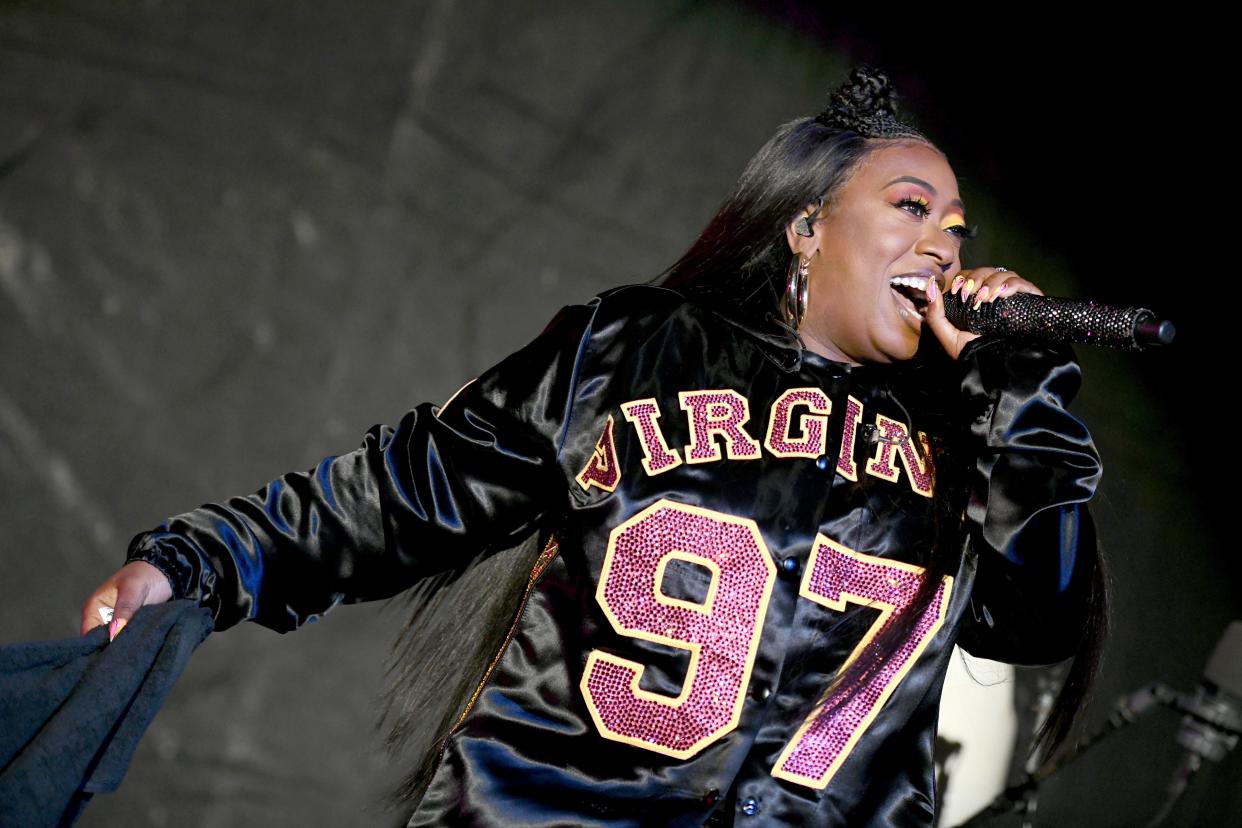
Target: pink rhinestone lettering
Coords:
[(813, 425), (837, 575), (719, 412), (897, 440), (721, 634), (657, 456), (849, 431), (601, 469)]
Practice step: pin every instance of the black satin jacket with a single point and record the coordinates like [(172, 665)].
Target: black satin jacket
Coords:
[(734, 519)]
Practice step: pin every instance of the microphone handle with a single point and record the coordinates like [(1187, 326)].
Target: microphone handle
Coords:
[(1053, 319)]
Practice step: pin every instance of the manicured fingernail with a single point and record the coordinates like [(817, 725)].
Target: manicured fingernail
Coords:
[(983, 292), (967, 288), (114, 629), (933, 290), (957, 283)]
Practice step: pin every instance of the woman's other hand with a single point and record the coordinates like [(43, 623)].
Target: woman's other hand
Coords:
[(134, 585), (976, 286)]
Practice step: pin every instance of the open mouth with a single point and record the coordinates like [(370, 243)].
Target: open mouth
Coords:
[(911, 291)]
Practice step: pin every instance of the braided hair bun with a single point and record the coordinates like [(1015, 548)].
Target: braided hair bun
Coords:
[(867, 105)]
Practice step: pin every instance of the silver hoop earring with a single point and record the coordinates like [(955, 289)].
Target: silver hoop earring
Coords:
[(797, 291)]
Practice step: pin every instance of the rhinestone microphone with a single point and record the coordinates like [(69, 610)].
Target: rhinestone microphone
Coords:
[(1053, 319)]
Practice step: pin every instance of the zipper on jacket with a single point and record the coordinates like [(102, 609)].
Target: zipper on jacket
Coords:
[(550, 550)]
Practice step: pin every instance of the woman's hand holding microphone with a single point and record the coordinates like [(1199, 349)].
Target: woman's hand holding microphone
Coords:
[(976, 285)]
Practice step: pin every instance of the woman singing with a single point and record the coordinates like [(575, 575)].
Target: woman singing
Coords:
[(771, 493)]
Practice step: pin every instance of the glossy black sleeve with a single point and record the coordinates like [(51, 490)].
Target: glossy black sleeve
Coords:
[(1035, 468), (442, 487)]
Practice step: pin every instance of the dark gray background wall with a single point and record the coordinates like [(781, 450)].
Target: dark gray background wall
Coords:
[(233, 235)]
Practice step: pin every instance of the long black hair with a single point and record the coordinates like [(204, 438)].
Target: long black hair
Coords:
[(738, 263)]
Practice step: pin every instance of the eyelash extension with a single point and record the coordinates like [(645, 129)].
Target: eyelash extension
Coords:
[(964, 233), (923, 206)]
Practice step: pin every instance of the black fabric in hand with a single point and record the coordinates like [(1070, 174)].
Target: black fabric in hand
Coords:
[(72, 711)]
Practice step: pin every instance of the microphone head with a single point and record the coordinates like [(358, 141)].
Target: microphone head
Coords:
[(1150, 331)]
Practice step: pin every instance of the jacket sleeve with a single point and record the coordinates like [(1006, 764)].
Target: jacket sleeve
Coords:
[(1034, 469), (427, 496)]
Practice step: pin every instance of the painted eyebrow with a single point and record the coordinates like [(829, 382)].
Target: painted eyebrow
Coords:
[(957, 202)]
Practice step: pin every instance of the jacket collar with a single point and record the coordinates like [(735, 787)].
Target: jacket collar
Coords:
[(782, 346), (785, 349)]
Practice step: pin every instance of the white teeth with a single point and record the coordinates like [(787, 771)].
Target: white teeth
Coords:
[(917, 282)]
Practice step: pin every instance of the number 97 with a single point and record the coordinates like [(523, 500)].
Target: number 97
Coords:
[(722, 635)]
